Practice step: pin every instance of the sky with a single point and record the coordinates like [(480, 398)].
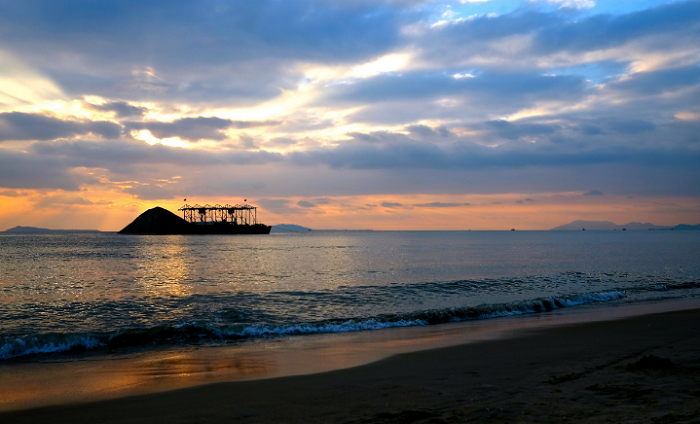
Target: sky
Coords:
[(351, 114)]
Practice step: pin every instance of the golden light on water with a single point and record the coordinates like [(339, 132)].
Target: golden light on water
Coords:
[(163, 266)]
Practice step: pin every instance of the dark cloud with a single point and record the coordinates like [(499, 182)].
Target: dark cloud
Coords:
[(632, 126), (459, 40), (247, 142), (282, 141), (30, 126), (522, 40), (122, 157), (593, 193), (121, 109), (386, 150), (12, 193), (192, 129), (687, 132), (404, 153), (252, 124), (659, 81), (425, 131), (516, 87), (440, 205), (508, 130), (588, 129), (189, 43), (305, 204), (391, 205), (489, 27), (195, 129), (607, 31), (63, 199), (280, 206), (154, 191), (233, 52), (23, 170), (377, 136)]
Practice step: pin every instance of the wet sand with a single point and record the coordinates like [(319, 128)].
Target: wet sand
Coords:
[(640, 369)]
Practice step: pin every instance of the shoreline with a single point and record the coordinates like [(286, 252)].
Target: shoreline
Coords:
[(351, 360)]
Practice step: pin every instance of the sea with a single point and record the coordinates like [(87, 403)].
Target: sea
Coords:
[(101, 293)]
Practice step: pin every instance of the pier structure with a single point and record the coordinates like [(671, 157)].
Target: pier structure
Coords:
[(225, 214)]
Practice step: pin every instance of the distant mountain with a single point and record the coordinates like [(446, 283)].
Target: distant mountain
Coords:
[(685, 227), (631, 226), (646, 227), (289, 228), (607, 225), (591, 225), (35, 230)]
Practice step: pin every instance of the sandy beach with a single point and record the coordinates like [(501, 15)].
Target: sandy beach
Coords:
[(640, 369)]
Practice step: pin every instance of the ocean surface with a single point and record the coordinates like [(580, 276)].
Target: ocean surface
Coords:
[(102, 292)]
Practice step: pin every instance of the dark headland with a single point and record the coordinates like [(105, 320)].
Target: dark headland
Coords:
[(160, 221)]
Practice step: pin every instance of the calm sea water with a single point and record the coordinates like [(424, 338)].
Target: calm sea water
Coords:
[(80, 291)]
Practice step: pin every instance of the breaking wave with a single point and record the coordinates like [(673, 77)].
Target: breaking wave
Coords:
[(191, 333)]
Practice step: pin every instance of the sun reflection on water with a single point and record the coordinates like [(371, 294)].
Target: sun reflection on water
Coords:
[(162, 268)]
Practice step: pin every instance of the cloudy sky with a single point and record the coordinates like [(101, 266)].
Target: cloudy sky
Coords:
[(393, 114)]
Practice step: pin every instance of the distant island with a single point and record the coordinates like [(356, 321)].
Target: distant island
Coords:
[(611, 226), (289, 228), (35, 230)]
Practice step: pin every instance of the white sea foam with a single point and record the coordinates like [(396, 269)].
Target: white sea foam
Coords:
[(258, 330), (20, 347)]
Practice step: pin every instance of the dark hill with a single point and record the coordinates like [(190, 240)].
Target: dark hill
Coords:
[(158, 221), (35, 230)]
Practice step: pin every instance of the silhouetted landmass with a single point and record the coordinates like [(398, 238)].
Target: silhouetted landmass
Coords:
[(35, 230), (289, 228), (159, 221), (611, 226), (684, 227)]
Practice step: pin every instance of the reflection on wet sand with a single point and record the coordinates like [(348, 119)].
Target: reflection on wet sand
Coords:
[(32, 384), (189, 365)]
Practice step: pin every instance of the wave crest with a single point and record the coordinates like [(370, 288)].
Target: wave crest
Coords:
[(189, 333)]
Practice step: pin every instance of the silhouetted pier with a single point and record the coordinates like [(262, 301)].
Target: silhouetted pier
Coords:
[(225, 214)]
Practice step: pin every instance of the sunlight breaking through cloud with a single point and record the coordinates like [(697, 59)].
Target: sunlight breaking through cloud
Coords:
[(304, 100)]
